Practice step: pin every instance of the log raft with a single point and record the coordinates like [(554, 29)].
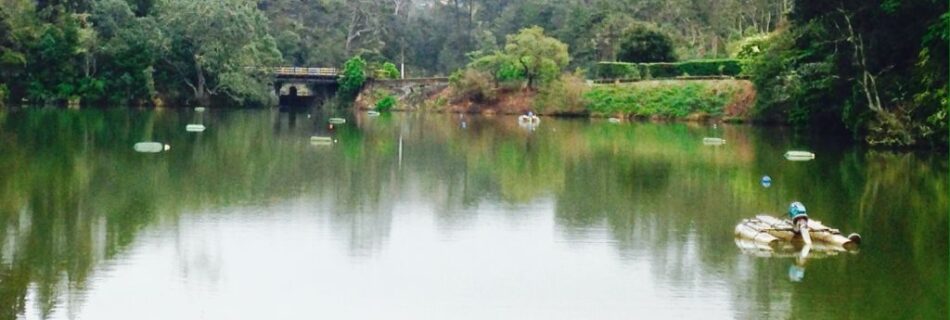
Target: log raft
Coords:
[(773, 231)]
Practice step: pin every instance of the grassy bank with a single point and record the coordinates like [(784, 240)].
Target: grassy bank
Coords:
[(675, 99), (729, 100)]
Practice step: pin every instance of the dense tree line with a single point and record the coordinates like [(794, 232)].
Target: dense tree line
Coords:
[(877, 68), (141, 52)]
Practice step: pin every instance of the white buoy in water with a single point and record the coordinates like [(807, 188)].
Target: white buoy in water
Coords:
[(321, 141), (200, 109), (195, 128), (151, 147), (337, 120), (714, 141), (372, 113), (799, 155), (613, 120)]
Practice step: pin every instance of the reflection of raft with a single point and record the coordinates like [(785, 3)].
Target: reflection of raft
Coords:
[(785, 249), (775, 232)]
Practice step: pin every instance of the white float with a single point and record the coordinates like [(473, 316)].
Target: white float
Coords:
[(337, 120), (321, 141), (151, 147), (799, 155), (195, 128), (714, 141)]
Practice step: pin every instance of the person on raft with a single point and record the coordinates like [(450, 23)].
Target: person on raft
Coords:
[(799, 217)]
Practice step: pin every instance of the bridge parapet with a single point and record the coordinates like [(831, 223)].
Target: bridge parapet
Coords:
[(306, 72)]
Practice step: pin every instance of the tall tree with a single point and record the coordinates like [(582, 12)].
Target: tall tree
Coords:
[(219, 47)]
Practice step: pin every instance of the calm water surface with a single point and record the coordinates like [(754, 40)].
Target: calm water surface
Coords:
[(412, 216)]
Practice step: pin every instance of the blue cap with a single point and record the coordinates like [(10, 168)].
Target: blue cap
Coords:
[(796, 210)]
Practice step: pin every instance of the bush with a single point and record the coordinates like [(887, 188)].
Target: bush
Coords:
[(565, 95), (644, 44), (388, 71), (473, 85), (352, 76), (386, 103), (617, 70)]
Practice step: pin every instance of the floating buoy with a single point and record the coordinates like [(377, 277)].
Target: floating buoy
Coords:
[(321, 141), (195, 128), (799, 155), (613, 120), (337, 120), (200, 109), (372, 113), (766, 181), (151, 147), (714, 141)]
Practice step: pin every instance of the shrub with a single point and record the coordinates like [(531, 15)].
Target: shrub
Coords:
[(565, 95), (386, 103), (473, 85), (388, 71), (353, 75)]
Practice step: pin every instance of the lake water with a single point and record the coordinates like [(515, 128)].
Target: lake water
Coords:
[(429, 216)]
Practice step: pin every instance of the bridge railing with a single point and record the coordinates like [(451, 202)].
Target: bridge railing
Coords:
[(300, 71)]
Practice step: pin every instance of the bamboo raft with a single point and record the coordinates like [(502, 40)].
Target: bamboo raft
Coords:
[(773, 232)]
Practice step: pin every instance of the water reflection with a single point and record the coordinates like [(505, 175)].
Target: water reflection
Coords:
[(454, 207)]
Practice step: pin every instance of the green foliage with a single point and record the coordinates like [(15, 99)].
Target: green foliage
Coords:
[(388, 71), (473, 85), (709, 67), (503, 67), (352, 76), (540, 57), (4, 94), (750, 47), (563, 96), (876, 70), (644, 44), (617, 70), (672, 99), (386, 103), (214, 47)]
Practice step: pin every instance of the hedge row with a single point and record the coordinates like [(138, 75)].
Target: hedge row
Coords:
[(661, 70)]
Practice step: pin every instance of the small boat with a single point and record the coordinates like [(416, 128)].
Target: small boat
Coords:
[(200, 109), (526, 119), (714, 141), (195, 128), (372, 113), (337, 120), (613, 120), (774, 232), (151, 147), (793, 155)]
